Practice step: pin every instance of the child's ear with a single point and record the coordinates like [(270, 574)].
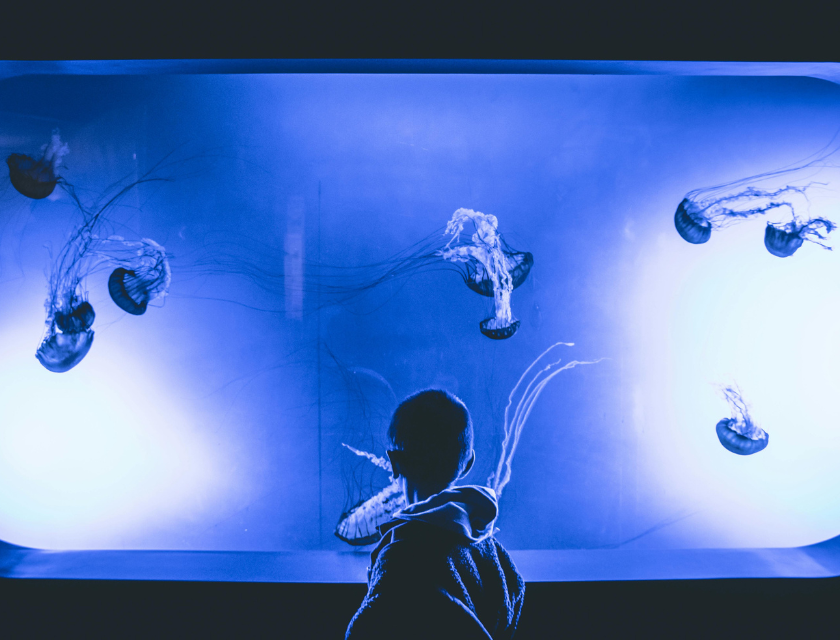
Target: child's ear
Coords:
[(396, 458), (469, 464)]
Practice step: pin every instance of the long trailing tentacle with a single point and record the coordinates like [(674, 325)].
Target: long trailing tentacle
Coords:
[(513, 428)]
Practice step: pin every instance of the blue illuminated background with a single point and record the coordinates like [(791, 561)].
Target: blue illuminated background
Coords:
[(216, 420)]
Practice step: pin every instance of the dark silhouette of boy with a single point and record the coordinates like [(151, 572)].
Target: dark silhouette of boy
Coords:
[(438, 572)]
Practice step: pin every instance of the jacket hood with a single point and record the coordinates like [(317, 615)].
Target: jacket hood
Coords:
[(470, 511)]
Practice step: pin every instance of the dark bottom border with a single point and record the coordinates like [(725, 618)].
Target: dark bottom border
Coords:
[(736, 608)]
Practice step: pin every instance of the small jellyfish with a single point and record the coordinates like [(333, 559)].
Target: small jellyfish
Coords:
[(143, 277), (739, 434), (486, 250), (784, 240), (36, 179)]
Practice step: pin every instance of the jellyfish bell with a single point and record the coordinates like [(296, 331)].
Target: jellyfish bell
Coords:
[(132, 289), (36, 179), (78, 319), (495, 330), (30, 177), (740, 441), (59, 352), (690, 224), (128, 291), (359, 526), (781, 243), (519, 265)]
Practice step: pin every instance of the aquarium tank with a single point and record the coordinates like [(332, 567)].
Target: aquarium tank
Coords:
[(219, 279)]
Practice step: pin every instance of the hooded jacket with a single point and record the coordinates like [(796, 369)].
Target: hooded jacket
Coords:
[(439, 573)]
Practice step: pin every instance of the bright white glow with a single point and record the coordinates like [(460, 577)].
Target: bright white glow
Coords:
[(728, 311), (97, 457)]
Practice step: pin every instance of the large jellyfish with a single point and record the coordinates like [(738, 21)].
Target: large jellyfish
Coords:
[(68, 335), (36, 179), (358, 526), (486, 263), (488, 267), (739, 434), (143, 275)]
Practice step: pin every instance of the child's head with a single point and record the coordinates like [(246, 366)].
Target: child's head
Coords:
[(433, 434)]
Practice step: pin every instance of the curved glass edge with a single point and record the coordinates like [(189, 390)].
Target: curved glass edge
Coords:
[(822, 70), (821, 560)]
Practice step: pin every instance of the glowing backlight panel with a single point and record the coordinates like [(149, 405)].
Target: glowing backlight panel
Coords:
[(310, 283)]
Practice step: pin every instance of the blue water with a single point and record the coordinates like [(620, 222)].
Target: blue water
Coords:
[(216, 419)]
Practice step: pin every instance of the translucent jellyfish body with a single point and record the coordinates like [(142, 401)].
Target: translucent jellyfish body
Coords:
[(690, 223), (36, 179), (784, 240), (59, 352), (68, 336), (491, 269), (739, 434), (359, 525), (145, 276)]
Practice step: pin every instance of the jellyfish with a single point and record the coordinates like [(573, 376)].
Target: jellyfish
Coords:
[(144, 274), (358, 526), (68, 335), (784, 240), (705, 210), (488, 267), (739, 434), (713, 208), (36, 179), (331, 284)]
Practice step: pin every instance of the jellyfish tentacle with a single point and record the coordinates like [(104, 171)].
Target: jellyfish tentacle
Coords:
[(529, 396), (713, 208), (68, 336)]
